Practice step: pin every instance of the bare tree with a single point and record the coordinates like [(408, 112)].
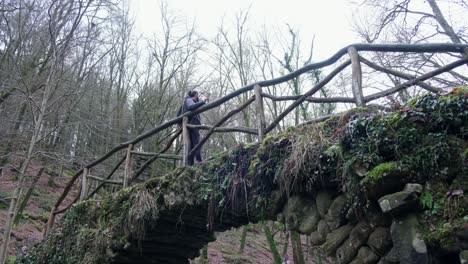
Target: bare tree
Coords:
[(267, 64), (63, 19), (236, 51), (53, 51), (411, 21)]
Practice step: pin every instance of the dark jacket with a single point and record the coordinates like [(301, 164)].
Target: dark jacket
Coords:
[(190, 105)]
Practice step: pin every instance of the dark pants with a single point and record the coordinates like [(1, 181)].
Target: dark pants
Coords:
[(194, 139)]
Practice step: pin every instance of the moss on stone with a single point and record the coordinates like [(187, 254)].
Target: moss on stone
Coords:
[(382, 170)]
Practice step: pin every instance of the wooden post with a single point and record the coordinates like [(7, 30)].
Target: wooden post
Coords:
[(260, 112), (356, 76), (84, 184), (186, 137), (96, 184), (128, 166)]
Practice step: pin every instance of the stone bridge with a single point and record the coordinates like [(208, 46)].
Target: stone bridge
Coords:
[(368, 187)]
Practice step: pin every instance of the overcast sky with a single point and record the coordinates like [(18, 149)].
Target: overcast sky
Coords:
[(328, 20)]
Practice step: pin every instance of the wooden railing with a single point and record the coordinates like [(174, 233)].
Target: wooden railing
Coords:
[(358, 98)]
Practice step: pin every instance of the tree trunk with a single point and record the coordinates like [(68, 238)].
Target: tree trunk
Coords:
[(272, 243), (286, 244), (25, 165), (242, 241), (17, 193), (26, 197), (9, 147), (296, 244)]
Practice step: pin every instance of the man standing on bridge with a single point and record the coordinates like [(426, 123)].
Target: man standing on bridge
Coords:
[(191, 103)]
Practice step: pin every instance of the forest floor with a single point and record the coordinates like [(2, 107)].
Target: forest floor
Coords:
[(29, 230), (256, 251)]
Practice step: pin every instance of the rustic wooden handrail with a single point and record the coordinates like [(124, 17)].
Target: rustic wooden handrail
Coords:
[(219, 123), (156, 156), (162, 156), (405, 76), (118, 182), (444, 47), (310, 99), (416, 80), (100, 185), (307, 94), (358, 98), (246, 130), (433, 48)]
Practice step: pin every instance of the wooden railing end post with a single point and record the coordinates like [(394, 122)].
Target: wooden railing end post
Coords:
[(261, 123), (356, 76), (84, 184), (186, 139), (128, 166)]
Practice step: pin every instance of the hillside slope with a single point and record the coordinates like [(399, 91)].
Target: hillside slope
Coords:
[(34, 217)]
